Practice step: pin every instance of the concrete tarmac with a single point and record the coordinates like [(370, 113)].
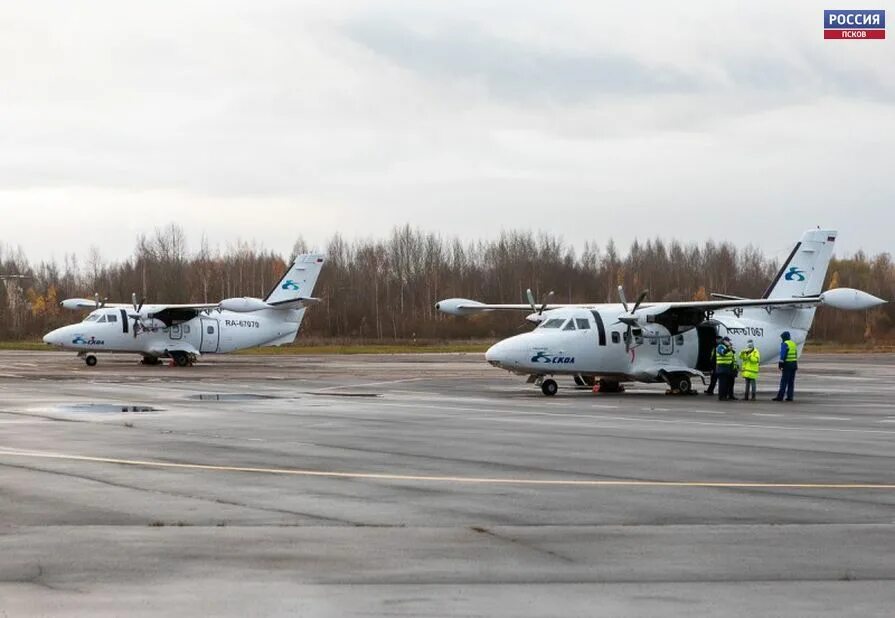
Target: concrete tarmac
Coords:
[(435, 485)]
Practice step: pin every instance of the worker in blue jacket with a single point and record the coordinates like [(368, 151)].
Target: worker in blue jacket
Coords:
[(788, 365)]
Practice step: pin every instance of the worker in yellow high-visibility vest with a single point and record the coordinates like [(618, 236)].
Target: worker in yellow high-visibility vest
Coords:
[(750, 361), (788, 365), (725, 365)]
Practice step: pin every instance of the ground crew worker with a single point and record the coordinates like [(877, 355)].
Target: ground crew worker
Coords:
[(724, 363), (788, 365), (711, 389), (735, 370), (750, 359)]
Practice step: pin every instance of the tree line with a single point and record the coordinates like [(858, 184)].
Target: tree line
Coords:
[(386, 289)]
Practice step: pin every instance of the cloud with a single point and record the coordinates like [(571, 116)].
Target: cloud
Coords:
[(512, 71)]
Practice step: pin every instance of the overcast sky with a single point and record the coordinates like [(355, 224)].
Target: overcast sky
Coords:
[(269, 120)]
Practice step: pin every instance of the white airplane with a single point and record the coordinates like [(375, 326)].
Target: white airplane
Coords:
[(668, 342), (184, 332)]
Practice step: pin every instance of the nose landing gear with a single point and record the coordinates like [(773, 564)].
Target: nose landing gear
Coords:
[(89, 358)]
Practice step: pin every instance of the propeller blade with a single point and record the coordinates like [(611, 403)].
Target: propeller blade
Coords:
[(134, 300), (140, 308), (531, 299), (621, 295), (640, 299), (546, 300)]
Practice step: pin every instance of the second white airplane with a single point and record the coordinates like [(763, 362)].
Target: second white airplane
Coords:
[(668, 342), (183, 332)]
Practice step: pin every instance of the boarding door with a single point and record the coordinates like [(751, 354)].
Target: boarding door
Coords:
[(210, 335), (666, 345), (175, 331)]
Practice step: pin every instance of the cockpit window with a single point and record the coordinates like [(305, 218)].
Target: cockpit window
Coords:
[(91, 318), (570, 325), (101, 319), (111, 317), (582, 323), (553, 323)]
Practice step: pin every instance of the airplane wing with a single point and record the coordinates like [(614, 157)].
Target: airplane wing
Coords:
[(462, 306), (78, 304)]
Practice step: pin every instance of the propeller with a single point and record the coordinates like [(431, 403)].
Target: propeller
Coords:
[(534, 308), (99, 303), (630, 319), (137, 309)]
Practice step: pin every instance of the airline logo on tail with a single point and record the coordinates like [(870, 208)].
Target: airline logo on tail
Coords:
[(795, 274), (289, 284)]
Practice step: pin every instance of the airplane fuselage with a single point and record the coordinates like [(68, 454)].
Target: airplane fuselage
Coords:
[(209, 332), (591, 342)]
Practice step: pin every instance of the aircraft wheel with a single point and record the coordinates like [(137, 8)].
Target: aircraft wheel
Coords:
[(549, 387), (681, 383), (150, 360), (90, 359), (180, 359)]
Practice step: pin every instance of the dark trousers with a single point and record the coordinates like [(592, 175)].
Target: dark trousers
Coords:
[(731, 380), (725, 385), (711, 389), (787, 382)]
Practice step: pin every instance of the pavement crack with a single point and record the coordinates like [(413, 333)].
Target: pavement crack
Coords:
[(521, 543), (346, 522)]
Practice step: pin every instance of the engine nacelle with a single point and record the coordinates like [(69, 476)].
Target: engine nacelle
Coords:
[(452, 306), (243, 305), (78, 303), (850, 299)]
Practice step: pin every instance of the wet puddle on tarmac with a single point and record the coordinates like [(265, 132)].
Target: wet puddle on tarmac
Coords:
[(107, 408), (230, 397)]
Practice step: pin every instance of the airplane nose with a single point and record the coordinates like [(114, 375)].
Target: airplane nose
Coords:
[(52, 337), (501, 354)]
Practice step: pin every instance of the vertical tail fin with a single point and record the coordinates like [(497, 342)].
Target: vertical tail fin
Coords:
[(803, 272), (298, 281)]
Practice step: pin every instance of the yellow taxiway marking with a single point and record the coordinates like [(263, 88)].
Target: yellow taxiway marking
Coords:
[(382, 476)]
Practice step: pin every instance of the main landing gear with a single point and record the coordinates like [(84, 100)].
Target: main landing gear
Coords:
[(680, 383), (182, 359), (549, 387)]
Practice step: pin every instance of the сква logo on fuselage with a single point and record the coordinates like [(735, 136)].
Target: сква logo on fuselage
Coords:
[(550, 359), (795, 274), (289, 285), (79, 340)]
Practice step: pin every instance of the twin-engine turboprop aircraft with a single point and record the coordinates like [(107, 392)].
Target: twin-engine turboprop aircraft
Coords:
[(184, 332), (668, 342)]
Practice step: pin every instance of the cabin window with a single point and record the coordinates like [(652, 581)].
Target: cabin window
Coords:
[(679, 340), (210, 330), (186, 329), (570, 325), (616, 338), (553, 323), (111, 318), (582, 323)]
